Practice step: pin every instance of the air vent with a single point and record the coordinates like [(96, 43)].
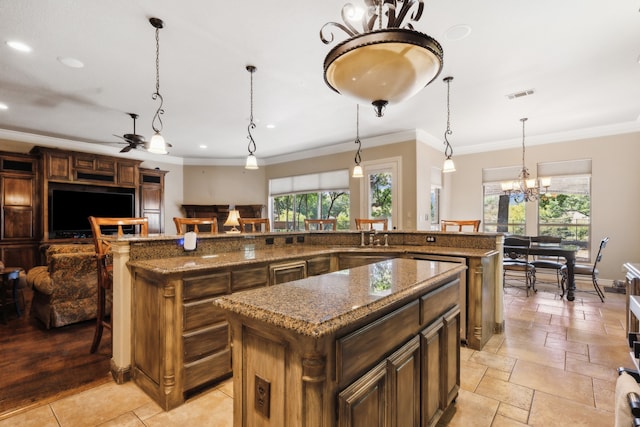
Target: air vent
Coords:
[(520, 94)]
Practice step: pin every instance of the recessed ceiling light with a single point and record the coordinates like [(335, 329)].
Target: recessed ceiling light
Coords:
[(3, 106), (203, 146), (271, 126), (22, 47), (71, 62), (458, 32)]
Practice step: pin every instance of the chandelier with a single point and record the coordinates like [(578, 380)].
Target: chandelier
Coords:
[(381, 65), (157, 144), (525, 188)]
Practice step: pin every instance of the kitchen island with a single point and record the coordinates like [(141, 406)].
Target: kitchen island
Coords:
[(369, 345)]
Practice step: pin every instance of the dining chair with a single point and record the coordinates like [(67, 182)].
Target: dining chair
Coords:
[(548, 263), (586, 270), (516, 266), (255, 224), (370, 223), (329, 224), (451, 223), (194, 224), (102, 229)]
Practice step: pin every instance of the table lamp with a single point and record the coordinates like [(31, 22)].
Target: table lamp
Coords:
[(232, 221)]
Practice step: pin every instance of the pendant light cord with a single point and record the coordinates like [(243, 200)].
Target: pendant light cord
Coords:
[(448, 149), (252, 144), (156, 123), (358, 157)]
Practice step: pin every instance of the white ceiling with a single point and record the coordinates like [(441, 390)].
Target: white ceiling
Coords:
[(580, 57)]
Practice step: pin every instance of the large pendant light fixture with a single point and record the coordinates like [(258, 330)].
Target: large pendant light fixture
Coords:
[(381, 65), (252, 161), (157, 144), (357, 169), (448, 166), (525, 188)]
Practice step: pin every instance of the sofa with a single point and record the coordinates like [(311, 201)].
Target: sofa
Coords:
[(65, 289)]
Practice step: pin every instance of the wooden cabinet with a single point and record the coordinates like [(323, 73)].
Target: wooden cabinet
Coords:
[(152, 198), (287, 271), (20, 229), (356, 260), (320, 265)]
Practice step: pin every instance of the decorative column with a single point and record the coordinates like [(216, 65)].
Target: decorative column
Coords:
[(499, 314), (121, 314)]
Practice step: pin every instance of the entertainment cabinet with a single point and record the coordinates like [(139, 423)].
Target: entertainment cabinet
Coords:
[(27, 182)]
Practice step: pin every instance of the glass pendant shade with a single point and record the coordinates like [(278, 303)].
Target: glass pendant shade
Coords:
[(448, 166), (252, 162), (383, 66), (357, 172), (157, 144)]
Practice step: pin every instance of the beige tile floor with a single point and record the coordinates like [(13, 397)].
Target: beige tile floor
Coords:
[(553, 366)]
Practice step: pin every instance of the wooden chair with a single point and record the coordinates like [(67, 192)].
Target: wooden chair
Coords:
[(103, 228), (446, 223), (191, 224), (369, 224), (253, 222), (321, 224), (590, 271), (516, 265)]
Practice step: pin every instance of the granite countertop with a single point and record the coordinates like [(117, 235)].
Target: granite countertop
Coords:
[(319, 305), (250, 255)]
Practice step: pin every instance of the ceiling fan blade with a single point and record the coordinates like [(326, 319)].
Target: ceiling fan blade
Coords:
[(126, 149)]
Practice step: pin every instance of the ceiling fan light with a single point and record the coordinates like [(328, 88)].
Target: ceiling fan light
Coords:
[(156, 144)]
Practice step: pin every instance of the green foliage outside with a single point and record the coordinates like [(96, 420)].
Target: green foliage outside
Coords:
[(380, 195), (291, 210)]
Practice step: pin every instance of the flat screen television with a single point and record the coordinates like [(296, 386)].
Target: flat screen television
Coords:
[(71, 206)]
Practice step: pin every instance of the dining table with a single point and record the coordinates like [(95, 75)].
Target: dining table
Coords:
[(568, 252)]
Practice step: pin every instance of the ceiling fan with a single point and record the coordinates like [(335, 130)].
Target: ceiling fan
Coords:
[(133, 140)]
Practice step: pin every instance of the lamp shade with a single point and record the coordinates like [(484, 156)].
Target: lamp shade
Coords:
[(388, 65), (357, 172), (448, 166), (157, 144), (252, 162)]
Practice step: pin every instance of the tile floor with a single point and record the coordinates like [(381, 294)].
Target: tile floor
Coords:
[(553, 366)]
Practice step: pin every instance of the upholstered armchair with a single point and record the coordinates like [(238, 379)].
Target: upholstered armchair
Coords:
[(65, 290)]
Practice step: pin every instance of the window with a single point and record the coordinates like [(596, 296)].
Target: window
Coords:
[(500, 212), (379, 193), (497, 204), (313, 196)]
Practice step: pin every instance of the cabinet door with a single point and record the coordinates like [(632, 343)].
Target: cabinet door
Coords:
[(286, 272), (403, 370), (432, 381), (18, 207), (451, 355), (363, 403), (351, 261)]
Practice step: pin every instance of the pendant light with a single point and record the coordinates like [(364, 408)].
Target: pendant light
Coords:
[(157, 144), (252, 161), (448, 166), (357, 169)]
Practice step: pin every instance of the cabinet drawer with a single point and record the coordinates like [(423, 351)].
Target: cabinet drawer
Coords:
[(207, 369), (319, 265), (287, 272), (434, 304), (361, 349), (200, 313), (205, 341), (206, 286), (249, 278)]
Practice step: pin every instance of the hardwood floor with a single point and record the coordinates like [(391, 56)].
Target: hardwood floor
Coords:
[(39, 365)]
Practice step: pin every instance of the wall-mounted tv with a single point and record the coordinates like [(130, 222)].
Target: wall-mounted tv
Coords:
[(71, 205)]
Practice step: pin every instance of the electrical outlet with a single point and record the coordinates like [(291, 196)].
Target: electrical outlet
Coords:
[(431, 239), (262, 396), (288, 240), (300, 239), (269, 240)]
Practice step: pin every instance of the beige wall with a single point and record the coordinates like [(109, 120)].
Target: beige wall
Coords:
[(614, 190)]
